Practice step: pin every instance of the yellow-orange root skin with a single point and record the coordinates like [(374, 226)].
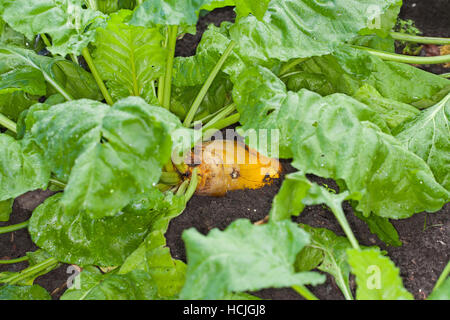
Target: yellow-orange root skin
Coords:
[(230, 165)]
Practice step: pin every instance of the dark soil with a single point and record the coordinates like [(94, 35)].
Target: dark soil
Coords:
[(426, 237)]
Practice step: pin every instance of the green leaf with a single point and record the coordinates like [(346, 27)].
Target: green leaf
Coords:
[(427, 135), (153, 256), (377, 277), (264, 103), (335, 137), (391, 79), (319, 27), (93, 285), (244, 257), (110, 154), (393, 112), (349, 69), (79, 83), (5, 209), (70, 26), (14, 57), (12, 104), (129, 58), (23, 168), (442, 292), (26, 79), (289, 200), (383, 228), (383, 23), (185, 13), (334, 257), (35, 292), (9, 36), (75, 238)]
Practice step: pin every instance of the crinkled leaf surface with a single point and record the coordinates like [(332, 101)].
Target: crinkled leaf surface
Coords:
[(26, 79), (76, 81), (377, 277), (70, 26), (91, 284), (264, 103), (24, 70), (107, 155), (76, 238), (22, 168), (244, 257), (185, 12), (393, 112), (35, 292), (298, 29), (349, 69), (335, 137), (129, 58), (428, 136)]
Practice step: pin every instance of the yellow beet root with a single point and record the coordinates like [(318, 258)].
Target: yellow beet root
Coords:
[(225, 165)]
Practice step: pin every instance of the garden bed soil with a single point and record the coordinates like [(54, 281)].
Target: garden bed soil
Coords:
[(425, 237)]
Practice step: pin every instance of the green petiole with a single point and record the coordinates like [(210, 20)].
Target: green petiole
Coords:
[(445, 75), (443, 276), (170, 178), (14, 227), (30, 271), (419, 39), (192, 186), (304, 292), (201, 95), (222, 124), (225, 112), (291, 65), (97, 77), (12, 261), (7, 123), (167, 80), (182, 188), (405, 59), (45, 39)]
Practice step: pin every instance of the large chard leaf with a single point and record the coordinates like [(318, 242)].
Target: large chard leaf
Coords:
[(129, 58), (153, 256), (70, 26), (244, 257), (427, 135), (377, 277), (76, 238), (335, 137), (91, 284), (35, 292), (185, 13), (297, 29), (22, 168), (264, 103), (107, 155), (348, 69)]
